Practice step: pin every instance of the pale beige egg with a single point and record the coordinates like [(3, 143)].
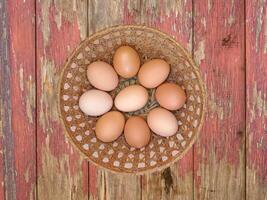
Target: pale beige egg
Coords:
[(95, 102), (102, 76), (131, 98), (162, 122)]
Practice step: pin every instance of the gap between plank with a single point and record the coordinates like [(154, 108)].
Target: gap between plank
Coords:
[(192, 54), (36, 96), (245, 92)]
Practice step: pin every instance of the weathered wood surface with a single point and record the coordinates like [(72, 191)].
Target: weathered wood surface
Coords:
[(174, 18), (8, 185), (219, 49), (17, 99), (103, 184), (256, 84), (228, 41), (62, 171)]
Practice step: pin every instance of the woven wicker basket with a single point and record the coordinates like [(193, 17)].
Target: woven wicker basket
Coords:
[(118, 156)]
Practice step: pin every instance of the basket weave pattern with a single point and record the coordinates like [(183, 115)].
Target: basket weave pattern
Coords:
[(118, 156)]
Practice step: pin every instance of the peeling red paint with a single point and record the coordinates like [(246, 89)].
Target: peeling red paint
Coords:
[(256, 93), (223, 74), (22, 48), (58, 49), (185, 164), (51, 55), (2, 190), (129, 16), (221, 140), (93, 181), (178, 25), (219, 49)]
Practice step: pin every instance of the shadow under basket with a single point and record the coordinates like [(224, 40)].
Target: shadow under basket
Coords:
[(118, 156)]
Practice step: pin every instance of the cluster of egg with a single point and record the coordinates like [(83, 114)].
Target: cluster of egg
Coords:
[(152, 74)]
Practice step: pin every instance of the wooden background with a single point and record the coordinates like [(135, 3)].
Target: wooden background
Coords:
[(227, 38)]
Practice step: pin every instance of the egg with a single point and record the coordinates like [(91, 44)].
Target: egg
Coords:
[(137, 132), (170, 96), (95, 102), (162, 122), (153, 73), (110, 126), (126, 61), (102, 76), (131, 98)]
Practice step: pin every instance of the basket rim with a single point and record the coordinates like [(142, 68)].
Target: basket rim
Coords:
[(190, 59)]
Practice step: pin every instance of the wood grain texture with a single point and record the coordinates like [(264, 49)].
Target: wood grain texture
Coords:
[(256, 73), (103, 184), (2, 189), (18, 99), (8, 183), (22, 63), (174, 18), (213, 30), (62, 171), (219, 154)]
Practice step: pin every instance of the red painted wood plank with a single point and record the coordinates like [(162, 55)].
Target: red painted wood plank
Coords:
[(22, 57), (18, 100), (174, 18), (103, 184), (62, 171), (7, 173), (2, 189), (219, 156), (256, 73)]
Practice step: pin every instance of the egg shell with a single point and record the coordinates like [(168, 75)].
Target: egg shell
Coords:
[(126, 61), (95, 102), (153, 73), (137, 132), (110, 126), (162, 122), (131, 98), (102, 76), (170, 96)]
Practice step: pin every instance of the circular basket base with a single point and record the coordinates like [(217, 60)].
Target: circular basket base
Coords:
[(118, 156)]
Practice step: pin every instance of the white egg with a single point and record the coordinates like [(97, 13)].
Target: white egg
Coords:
[(95, 102), (131, 98), (162, 122)]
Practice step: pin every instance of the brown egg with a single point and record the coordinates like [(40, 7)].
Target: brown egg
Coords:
[(162, 122), (102, 76), (110, 126), (153, 73), (126, 61), (136, 132), (170, 96)]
